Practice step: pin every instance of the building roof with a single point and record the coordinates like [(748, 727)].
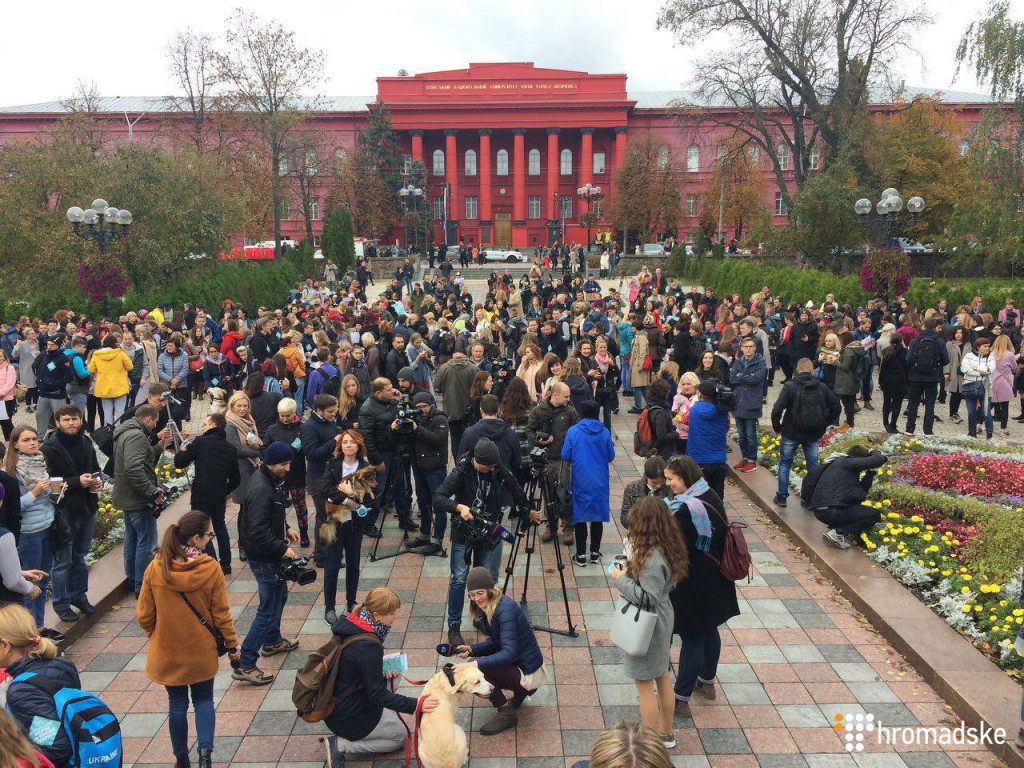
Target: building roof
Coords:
[(644, 100)]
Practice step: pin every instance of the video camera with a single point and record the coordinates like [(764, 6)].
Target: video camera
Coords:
[(538, 460), (495, 365), (407, 415), (294, 569), (170, 494), (484, 532)]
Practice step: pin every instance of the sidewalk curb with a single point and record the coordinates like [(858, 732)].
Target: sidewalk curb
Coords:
[(976, 689)]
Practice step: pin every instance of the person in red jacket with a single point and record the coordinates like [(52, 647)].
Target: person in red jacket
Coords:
[(232, 338)]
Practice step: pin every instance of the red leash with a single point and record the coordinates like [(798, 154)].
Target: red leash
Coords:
[(412, 742)]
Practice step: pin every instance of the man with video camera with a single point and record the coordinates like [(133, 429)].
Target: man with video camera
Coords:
[(547, 426), (264, 534), (383, 429), (430, 462), (476, 494)]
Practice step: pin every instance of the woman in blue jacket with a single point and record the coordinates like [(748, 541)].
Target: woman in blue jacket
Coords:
[(705, 444), (588, 447), (510, 657)]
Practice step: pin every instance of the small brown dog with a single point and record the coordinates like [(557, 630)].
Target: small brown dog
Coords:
[(364, 481), (218, 403)]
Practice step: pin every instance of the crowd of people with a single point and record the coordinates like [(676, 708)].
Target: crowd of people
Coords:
[(365, 403)]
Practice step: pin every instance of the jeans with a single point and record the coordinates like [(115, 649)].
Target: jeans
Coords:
[(427, 482), (177, 710), (606, 403), (849, 406), (977, 413), (639, 397), (319, 517), (867, 384), (786, 452), (300, 396), (399, 495), (489, 559), (139, 543), (747, 438), (346, 545), (408, 285), (266, 626), (926, 390), (35, 550), (113, 408), (625, 375), (70, 573), (698, 660), (892, 403), (216, 511)]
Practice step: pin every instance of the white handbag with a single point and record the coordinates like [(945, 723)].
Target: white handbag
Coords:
[(633, 626)]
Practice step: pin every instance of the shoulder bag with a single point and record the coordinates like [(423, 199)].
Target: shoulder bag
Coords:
[(218, 636), (633, 625)]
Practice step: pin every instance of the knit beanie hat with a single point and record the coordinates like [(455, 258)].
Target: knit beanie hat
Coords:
[(479, 578), (408, 373), (277, 453), (486, 452)]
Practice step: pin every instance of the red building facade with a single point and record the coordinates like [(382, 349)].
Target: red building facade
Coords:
[(505, 146)]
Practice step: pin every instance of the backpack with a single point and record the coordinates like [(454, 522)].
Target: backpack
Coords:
[(927, 356), (736, 560), (103, 437), (333, 385), (91, 728), (80, 379), (445, 343), (861, 371), (313, 691), (643, 438), (808, 409)]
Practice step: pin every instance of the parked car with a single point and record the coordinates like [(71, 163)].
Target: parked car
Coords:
[(654, 249), (912, 246), (503, 254)]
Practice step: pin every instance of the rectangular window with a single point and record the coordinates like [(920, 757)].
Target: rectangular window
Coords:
[(470, 207), (286, 210), (438, 208), (691, 205), (534, 207), (316, 241), (598, 163), (597, 208), (565, 207), (406, 165), (314, 209), (780, 205)]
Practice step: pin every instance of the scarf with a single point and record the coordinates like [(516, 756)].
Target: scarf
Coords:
[(244, 427), (381, 630), (698, 512), (603, 360), (31, 469)]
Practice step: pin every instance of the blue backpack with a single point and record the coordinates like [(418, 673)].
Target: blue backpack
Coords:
[(91, 728)]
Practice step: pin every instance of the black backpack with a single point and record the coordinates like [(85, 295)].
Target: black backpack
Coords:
[(927, 357), (333, 385), (808, 408), (445, 343)]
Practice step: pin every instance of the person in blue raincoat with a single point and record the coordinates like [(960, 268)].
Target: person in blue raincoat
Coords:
[(588, 446)]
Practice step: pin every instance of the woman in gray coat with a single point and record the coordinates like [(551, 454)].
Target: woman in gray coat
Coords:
[(658, 559), (25, 353), (958, 345)]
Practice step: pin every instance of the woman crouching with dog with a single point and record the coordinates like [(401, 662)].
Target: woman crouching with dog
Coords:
[(365, 722), (510, 657)]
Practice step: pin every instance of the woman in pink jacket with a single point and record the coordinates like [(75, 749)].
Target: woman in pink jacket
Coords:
[(1002, 380), (685, 397), (8, 380)]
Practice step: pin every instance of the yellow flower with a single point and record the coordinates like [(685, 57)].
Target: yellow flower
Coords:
[(947, 573), (964, 590), (967, 609), (1002, 602), (967, 577), (886, 502), (977, 608)]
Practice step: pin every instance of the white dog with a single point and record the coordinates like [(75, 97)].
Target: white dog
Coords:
[(217, 402), (442, 741)]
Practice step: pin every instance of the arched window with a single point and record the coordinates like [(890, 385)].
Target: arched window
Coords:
[(663, 157), (438, 162), (566, 162), (502, 162), (470, 162), (312, 163), (812, 159), (964, 146), (534, 162), (783, 152)]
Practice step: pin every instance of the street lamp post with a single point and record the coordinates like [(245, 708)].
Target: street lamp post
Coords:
[(411, 195), (887, 226), (590, 195), (103, 224)]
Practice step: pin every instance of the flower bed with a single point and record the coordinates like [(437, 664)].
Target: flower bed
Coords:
[(951, 516)]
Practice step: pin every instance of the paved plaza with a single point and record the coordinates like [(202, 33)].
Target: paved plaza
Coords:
[(797, 656)]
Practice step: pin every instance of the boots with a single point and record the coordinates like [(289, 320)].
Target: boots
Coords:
[(504, 718), (182, 762), (205, 757), (304, 538), (455, 635)]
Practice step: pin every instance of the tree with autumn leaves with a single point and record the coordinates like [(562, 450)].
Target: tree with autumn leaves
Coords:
[(646, 190)]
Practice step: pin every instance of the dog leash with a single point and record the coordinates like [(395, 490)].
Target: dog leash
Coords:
[(412, 741)]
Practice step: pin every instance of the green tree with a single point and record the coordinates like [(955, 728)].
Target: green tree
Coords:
[(993, 46), (646, 194), (338, 242)]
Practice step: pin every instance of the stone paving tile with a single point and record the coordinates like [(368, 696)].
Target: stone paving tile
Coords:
[(798, 655)]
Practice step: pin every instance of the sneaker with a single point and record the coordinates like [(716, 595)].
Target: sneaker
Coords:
[(595, 556), (256, 676), (868, 406), (330, 616), (635, 410), (936, 418), (455, 634), (740, 465), (335, 757), (580, 560), (668, 739), (750, 467), (683, 709), (65, 614), (84, 606), (835, 538), (956, 419), (409, 526), (52, 634), (780, 500), (283, 645)]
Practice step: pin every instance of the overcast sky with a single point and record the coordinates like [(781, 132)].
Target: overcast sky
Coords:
[(49, 46)]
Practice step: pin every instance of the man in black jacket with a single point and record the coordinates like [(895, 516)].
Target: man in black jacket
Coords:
[(217, 475), (377, 420), (479, 482), (552, 418), (70, 455), (495, 430), (926, 358), (801, 415), (803, 337), (836, 494), (396, 359), (319, 435), (265, 536), (262, 346), (10, 505), (430, 462)]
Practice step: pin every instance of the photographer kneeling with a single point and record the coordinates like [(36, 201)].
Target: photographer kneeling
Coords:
[(476, 494), (265, 536), (510, 657), (835, 492), (365, 722)]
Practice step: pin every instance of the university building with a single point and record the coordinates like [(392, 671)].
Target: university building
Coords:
[(505, 146)]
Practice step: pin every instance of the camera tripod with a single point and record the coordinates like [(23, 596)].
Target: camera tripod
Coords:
[(400, 472), (526, 537)]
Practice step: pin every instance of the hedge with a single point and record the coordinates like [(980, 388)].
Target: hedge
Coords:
[(728, 276), (250, 284)]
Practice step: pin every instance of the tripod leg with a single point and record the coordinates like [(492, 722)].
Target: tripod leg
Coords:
[(386, 494)]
